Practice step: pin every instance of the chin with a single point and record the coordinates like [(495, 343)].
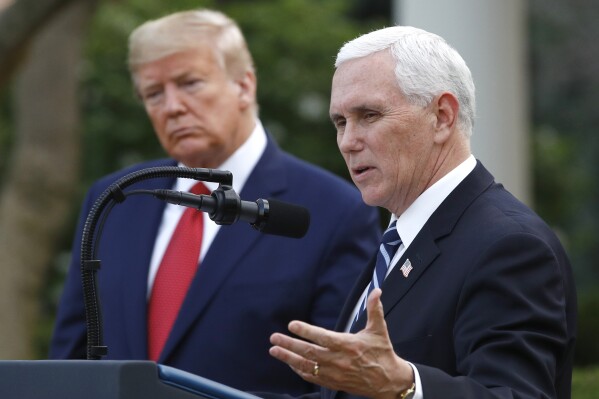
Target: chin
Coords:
[(373, 197), (189, 162), (190, 158), (370, 199)]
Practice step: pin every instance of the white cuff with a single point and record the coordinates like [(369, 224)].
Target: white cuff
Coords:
[(418, 394)]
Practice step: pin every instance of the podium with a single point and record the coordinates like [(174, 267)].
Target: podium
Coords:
[(106, 379)]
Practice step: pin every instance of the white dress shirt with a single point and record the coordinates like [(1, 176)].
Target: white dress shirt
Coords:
[(241, 164)]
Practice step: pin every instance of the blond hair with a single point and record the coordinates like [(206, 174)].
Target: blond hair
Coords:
[(183, 31)]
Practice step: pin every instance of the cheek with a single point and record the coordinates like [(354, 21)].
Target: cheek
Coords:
[(156, 118), (345, 159), (215, 113), (160, 132)]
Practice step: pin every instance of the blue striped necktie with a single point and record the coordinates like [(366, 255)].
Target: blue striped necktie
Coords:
[(389, 245)]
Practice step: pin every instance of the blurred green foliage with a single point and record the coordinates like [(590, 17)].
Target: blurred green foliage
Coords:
[(293, 43), (587, 345), (585, 383), (565, 91)]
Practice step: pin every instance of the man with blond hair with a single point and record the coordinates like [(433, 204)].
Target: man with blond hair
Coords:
[(195, 77)]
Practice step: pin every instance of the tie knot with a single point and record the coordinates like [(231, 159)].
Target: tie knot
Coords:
[(199, 188), (391, 236)]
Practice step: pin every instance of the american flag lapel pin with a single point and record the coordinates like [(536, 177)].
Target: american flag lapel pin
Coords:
[(406, 268)]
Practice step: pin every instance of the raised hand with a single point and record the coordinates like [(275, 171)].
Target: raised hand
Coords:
[(361, 364)]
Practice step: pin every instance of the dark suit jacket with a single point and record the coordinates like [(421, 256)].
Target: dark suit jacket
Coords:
[(489, 310), (249, 285)]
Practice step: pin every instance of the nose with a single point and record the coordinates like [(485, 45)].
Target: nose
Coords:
[(174, 104), (350, 139)]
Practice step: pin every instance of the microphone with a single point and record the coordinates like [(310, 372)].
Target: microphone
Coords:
[(225, 207)]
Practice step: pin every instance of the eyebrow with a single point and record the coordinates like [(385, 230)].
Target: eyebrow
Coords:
[(355, 110)]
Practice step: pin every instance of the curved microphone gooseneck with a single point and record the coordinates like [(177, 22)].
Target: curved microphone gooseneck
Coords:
[(89, 266)]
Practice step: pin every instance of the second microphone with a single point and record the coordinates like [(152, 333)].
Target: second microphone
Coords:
[(225, 207)]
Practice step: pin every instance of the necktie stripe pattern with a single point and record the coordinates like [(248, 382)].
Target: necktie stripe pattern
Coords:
[(389, 245), (174, 276)]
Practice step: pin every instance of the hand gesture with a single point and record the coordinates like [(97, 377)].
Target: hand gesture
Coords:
[(361, 364)]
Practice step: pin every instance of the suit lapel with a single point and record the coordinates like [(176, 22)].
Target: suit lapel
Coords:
[(419, 256), (230, 246), (424, 250)]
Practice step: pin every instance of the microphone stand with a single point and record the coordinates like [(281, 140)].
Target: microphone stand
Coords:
[(89, 266)]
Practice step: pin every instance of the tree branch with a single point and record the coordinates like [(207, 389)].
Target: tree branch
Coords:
[(19, 22)]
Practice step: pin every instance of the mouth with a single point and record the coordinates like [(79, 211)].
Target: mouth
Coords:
[(360, 170), (181, 132)]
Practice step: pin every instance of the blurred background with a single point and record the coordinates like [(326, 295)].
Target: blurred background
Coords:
[(68, 116)]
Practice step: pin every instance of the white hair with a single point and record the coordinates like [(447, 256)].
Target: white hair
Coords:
[(425, 66)]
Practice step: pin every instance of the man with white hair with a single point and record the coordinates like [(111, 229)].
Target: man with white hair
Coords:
[(472, 294)]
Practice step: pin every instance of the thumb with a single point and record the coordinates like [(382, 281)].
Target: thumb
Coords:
[(376, 316)]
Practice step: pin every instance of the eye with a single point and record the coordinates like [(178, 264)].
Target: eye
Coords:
[(371, 116), (152, 97), (192, 84), (339, 123)]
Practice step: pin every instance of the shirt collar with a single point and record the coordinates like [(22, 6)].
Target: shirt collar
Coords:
[(411, 221)]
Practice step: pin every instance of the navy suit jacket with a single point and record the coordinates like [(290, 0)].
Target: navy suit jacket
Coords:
[(489, 309), (248, 286)]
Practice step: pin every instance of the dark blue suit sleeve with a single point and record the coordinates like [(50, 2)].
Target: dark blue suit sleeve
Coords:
[(511, 330)]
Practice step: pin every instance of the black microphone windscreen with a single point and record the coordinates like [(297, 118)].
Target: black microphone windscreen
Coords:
[(286, 219)]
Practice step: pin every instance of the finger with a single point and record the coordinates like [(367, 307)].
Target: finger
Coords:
[(318, 335), (285, 355), (299, 364), (376, 316), (289, 343), (304, 349)]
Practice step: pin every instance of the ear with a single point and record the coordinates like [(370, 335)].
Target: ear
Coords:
[(446, 108), (247, 89)]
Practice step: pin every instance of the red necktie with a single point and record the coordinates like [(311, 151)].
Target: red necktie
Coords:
[(178, 266)]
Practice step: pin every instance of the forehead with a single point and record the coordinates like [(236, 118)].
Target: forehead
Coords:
[(201, 59), (364, 79)]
